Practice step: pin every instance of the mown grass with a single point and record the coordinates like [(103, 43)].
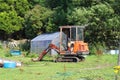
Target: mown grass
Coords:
[(93, 68)]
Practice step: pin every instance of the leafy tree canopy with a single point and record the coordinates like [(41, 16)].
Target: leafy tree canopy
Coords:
[(36, 20), (12, 15), (10, 22)]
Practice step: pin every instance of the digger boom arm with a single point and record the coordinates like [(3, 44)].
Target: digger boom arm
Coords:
[(51, 46)]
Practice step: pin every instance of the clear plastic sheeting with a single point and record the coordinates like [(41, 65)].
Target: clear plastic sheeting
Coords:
[(41, 42)]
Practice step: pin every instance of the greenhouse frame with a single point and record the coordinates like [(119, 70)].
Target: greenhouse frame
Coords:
[(41, 42)]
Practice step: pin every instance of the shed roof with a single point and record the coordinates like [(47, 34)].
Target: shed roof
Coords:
[(43, 37)]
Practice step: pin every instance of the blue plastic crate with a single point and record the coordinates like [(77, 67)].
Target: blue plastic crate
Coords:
[(15, 52)]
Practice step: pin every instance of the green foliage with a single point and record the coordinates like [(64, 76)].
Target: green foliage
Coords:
[(31, 55), (8, 55), (4, 6), (25, 46), (92, 49), (36, 20), (35, 2), (50, 26), (80, 16), (61, 9), (96, 47), (102, 21), (10, 22), (116, 6), (29, 18), (21, 7), (0, 45), (12, 15)]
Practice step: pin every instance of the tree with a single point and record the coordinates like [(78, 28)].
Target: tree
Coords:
[(102, 19), (12, 15), (61, 9), (79, 16), (36, 21), (10, 22)]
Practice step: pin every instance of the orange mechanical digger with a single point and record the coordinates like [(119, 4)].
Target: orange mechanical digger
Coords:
[(73, 50)]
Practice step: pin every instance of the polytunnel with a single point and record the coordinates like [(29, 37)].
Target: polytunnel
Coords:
[(41, 42)]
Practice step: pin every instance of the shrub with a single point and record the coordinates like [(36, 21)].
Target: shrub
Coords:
[(25, 46), (0, 45), (8, 55), (97, 48)]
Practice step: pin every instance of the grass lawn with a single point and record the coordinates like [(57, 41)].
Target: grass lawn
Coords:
[(93, 68)]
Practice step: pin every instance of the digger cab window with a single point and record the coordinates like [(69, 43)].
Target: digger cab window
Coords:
[(80, 34), (73, 34), (76, 34)]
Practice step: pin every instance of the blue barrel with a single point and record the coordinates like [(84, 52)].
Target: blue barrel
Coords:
[(9, 64)]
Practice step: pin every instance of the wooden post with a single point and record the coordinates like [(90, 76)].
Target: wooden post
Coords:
[(119, 55), (116, 76)]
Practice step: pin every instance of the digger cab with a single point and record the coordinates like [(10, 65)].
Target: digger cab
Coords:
[(75, 39)]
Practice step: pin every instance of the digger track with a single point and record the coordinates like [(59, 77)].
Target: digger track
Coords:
[(68, 59)]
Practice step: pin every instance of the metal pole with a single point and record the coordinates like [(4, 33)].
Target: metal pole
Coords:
[(60, 39), (76, 34), (70, 34), (82, 34)]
